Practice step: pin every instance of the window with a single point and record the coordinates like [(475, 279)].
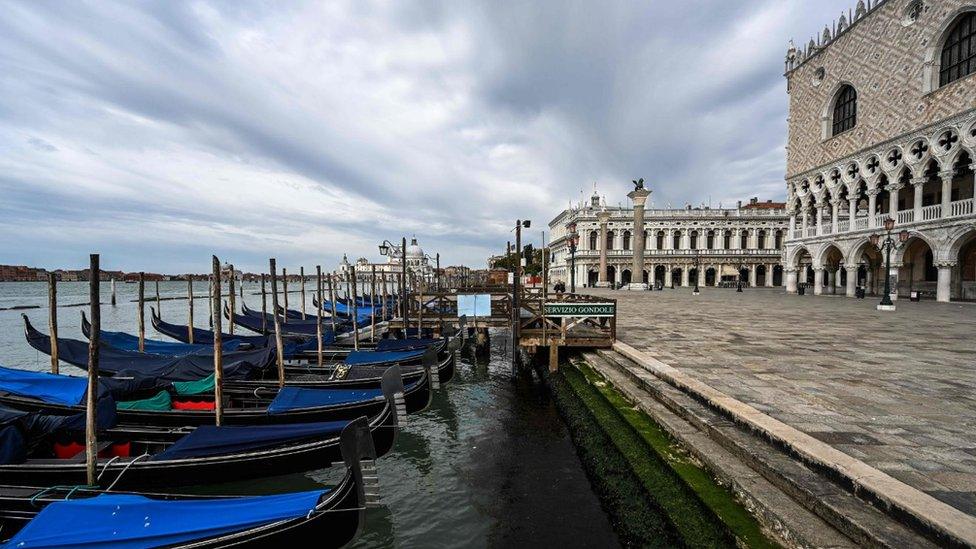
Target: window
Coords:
[(660, 240), (593, 239), (744, 239), (845, 110), (694, 240), (761, 244), (959, 51), (626, 240), (727, 242), (609, 240), (710, 240)]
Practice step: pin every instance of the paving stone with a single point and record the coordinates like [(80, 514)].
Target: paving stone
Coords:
[(902, 381)]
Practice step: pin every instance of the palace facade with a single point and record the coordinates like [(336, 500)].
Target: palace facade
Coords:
[(882, 125), (717, 246)]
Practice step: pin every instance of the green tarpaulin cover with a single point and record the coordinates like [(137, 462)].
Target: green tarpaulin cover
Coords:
[(205, 385), (161, 401)]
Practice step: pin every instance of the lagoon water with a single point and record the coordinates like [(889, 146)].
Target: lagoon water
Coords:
[(489, 464)]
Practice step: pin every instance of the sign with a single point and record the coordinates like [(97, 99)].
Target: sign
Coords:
[(602, 310), (474, 305)]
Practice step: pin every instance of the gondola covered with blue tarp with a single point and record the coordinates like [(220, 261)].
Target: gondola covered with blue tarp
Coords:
[(180, 332), (382, 357), (237, 365), (129, 342), (66, 390)]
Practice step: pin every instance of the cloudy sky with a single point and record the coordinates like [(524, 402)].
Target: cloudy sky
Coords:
[(157, 133)]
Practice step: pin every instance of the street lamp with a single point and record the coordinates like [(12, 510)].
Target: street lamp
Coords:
[(887, 245), (573, 239), (697, 270)]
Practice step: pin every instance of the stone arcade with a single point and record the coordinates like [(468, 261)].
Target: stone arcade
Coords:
[(882, 125)]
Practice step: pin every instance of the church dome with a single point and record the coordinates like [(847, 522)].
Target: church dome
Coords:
[(414, 251)]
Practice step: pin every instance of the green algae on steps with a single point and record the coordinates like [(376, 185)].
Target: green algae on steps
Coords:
[(693, 480)]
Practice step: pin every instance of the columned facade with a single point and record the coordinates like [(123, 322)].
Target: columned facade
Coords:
[(734, 245), (904, 148)]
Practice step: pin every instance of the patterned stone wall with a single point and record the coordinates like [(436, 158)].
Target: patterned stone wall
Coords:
[(883, 56)]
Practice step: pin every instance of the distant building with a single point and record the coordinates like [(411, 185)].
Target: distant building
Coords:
[(882, 125), (417, 261), (744, 243)]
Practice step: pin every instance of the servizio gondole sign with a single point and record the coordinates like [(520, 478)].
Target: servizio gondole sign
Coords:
[(599, 310)]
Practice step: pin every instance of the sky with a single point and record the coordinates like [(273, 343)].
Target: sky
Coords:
[(159, 133)]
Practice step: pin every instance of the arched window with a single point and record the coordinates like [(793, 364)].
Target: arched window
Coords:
[(762, 240), (779, 239), (626, 240), (744, 239), (647, 243), (710, 240), (959, 51), (727, 240), (694, 240), (609, 240), (676, 240), (660, 240), (845, 109), (593, 239)]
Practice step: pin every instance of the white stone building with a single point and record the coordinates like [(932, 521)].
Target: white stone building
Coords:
[(882, 124), (731, 244), (418, 264)]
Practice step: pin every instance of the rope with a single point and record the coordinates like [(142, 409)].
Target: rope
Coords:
[(122, 472)]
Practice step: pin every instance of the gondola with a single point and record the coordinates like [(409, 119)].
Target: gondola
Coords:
[(64, 395), (128, 342), (181, 333), (142, 457), (296, 328), (73, 517), (192, 367)]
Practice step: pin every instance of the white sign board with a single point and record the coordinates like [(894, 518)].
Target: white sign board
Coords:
[(474, 305)]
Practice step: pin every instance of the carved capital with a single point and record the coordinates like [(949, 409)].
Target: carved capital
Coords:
[(918, 181), (945, 264), (947, 174)]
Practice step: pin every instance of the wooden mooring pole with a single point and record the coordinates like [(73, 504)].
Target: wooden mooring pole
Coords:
[(301, 271), (189, 311), (95, 311), (142, 312), (355, 310), (218, 348), (113, 292), (52, 319), (264, 307), (231, 297), (279, 346), (372, 305), (158, 306), (331, 304), (318, 311), (284, 287)]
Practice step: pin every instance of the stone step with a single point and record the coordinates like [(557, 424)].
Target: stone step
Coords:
[(855, 518)]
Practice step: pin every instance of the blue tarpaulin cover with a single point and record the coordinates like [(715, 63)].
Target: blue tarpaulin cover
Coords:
[(210, 440), (121, 521), (404, 344), (47, 387), (295, 398), (381, 357), (129, 342)]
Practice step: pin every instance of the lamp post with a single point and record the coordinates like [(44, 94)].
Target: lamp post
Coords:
[(573, 239), (697, 270), (887, 245)]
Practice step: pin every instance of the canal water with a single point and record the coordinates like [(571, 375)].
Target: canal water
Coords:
[(489, 464)]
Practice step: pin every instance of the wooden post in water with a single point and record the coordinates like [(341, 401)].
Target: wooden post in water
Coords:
[(318, 311), (231, 296), (210, 286), (279, 347), (189, 312), (158, 306), (264, 307), (142, 312), (355, 312), (52, 319), (218, 349), (372, 305), (385, 297), (113, 292), (420, 311), (301, 271), (95, 311), (331, 303), (284, 282), (403, 286)]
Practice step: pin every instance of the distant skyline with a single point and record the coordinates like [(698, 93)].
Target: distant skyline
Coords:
[(158, 133)]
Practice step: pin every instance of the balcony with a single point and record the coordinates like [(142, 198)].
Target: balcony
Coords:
[(903, 218)]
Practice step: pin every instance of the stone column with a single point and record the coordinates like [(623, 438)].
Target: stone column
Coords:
[(852, 211), (639, 196), (893, 274), (684, 275), (851, 280), (651, 280), (806, 221), (718, 275), (944, 288), (667, 275), (946, 194), (818, 281), (769, 276), (792, 224), (819, 209), (918, 183), (893, 191), (791, 281), (752, 276), (872, 207), (834, 214), (603, 217)]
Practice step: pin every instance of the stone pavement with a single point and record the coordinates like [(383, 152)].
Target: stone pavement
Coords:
[(895, 390)]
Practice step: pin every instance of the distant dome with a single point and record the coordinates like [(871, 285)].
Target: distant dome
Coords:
[(414, 251)]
